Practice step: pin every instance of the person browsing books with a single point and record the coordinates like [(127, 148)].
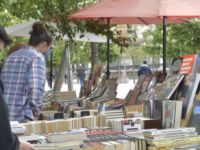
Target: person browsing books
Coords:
[(8, 140), (23, 75), (144, 69), (81, 74)]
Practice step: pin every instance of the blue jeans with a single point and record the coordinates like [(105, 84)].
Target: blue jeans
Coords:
[(81, 78), (48, 81)]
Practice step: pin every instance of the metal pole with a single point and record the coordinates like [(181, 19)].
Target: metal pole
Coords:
[(51, 70), (108, 49), (164, 43)]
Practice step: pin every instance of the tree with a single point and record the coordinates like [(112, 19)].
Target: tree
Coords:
[(8, 20), (184, 35), (57, 11), (134, 50), (81, 52)]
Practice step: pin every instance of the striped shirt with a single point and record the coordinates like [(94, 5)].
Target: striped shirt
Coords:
[(23, 75)]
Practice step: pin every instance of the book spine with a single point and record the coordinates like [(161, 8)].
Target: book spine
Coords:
[(164, 132), (168, 137), (177, 144), (186, 140)]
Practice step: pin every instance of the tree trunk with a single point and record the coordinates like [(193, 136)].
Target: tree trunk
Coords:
[(83, 64), (61, 71), (62, 68), (69, 67), (133, 69), (77, 65), (94, 54), (153, 63)]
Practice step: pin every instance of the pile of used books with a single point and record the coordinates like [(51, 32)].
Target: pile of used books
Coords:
[(17, 128), (113, 140), (60, 125), (171, 137)]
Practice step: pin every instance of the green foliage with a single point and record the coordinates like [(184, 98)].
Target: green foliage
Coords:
[(58, 11), (114, 52), (57, 55), (81, 52), (8, 20), (185, 35)]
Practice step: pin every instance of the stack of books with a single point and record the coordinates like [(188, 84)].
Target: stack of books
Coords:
[(133, 124), (114, 114), (133, 111), (171, 137), (67, 136), (17, 128), (60, 125), (112, 140), (167, 111)]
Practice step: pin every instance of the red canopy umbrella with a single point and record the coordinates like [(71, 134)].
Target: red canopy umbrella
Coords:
[(180, 8), (126, 12)]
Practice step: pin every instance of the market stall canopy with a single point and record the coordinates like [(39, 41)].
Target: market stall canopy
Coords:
[(127, 12), (23, 29), (124, 12), (180, 8)]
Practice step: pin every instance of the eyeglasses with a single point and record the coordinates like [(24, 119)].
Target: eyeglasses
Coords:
[(51, 48)]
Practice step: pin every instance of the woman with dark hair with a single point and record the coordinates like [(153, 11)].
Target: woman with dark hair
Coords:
[(23, 75), (8, 140)]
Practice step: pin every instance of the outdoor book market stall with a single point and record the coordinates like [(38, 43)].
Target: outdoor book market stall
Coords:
[(161, 112)]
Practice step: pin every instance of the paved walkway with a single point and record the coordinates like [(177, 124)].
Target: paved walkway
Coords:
[(122, 90)]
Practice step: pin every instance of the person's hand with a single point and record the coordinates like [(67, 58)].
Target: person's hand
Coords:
[(26, 146)]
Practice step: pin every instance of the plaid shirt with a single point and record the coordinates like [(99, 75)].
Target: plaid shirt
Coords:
[(23, 75)]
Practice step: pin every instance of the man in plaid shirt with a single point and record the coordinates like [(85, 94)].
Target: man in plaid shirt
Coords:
[(23, 75)]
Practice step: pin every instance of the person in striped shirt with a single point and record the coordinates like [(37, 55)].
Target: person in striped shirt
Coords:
[(8, 140), (23, 76)]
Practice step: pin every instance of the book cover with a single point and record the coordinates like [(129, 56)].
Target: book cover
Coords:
[(195, 117), (187, 64), (139, 82), (157, 110), (147, 109), (176, 66), (134, 96), (58, 116), (85, 113), (131, 124), (128, 97), (150, 93), (152, 124), (155, 79), (197, 65), (190, 95), (146, 81), (169, 114), (112, 88), (161, 77), (168, 87), (141, 97)]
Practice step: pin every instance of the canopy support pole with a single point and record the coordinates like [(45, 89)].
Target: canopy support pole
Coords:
[(164, 43), (108, 50), (51, 69)]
